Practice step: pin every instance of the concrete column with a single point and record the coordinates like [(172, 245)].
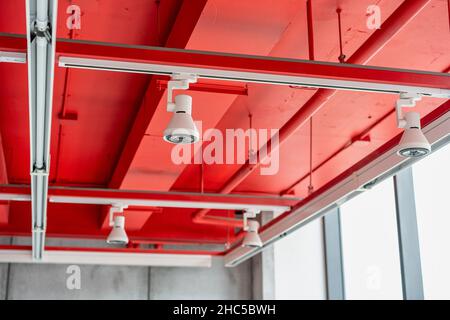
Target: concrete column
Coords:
[(4, 273), (333, 255), (408, 236), (263, 269)]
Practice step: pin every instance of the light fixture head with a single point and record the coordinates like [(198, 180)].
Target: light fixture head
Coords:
[(252, 238), (413, 143), (182, 129), (118, 236)]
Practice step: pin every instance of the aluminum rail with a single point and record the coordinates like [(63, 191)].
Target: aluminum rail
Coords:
[(276, 204), (106, 257), (275, 71), (41, 37)]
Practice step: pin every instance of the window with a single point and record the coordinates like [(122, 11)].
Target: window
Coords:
[(300, 264), (370, 245), (432, 189)]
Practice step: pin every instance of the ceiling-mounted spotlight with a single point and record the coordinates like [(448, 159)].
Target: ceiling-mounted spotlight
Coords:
[(252, 238), (181, 129), (118, 235), (413, 143)]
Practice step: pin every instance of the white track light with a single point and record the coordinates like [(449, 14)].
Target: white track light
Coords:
[(118, 234), (182, 129), (413, 143), (252, 239)]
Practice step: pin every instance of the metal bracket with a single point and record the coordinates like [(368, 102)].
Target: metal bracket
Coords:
[(250, 213), (406, 100), (117, 208), (179, 81), (42, 32)]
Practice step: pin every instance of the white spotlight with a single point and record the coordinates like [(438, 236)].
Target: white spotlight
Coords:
[(252, 238), (182, 129), (413, 143), (118, 234)]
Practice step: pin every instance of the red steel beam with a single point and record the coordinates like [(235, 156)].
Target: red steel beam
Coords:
[(21, 192), (210, 87), (258, 65), (4, 206), (180, 34), (13, 43)]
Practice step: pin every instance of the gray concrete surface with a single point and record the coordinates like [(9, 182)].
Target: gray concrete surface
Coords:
[(4, 271), (27, 281), (39, 281), (216, 283)]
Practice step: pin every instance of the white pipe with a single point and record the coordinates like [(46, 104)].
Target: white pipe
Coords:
[(42, 14), (167, 203), (39, 190), (41, 70), (108, 258)]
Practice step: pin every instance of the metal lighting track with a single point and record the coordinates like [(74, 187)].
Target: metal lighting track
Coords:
[(41, 37), (97, 257), (154, 199), (246, 68), (377, 169)]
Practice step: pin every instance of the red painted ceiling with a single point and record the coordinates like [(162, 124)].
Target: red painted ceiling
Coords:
[(86, 152)]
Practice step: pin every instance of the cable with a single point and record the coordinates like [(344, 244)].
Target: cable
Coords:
[(342, 56)]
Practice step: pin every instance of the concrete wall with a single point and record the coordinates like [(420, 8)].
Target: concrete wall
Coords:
[(26, 281), (32, 281)]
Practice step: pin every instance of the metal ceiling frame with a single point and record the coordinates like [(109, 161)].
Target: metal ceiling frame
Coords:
[(232, 67), (41, 39), (127, 257), (154, 199)]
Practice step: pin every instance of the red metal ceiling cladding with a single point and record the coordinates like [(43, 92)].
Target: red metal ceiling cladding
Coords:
[(113, 138)]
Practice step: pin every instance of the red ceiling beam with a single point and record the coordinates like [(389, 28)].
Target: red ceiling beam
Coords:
[(256, 68), (22, 192), (210, 87), (4, 206), (72, 220), (13, 43), (179, 36)]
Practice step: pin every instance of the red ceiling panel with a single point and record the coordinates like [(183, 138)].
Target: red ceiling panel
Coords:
[(102, 109)]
